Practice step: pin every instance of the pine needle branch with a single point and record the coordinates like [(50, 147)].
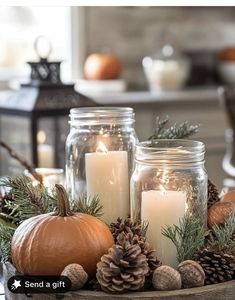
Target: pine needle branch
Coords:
[(177, 131), (223, 235), (144, 224), (188, 236), (88, 205), (6, 234), (160, 124), (28, 200)]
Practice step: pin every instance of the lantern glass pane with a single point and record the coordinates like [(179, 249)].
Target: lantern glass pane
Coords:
[(51, 136), (14, 131)]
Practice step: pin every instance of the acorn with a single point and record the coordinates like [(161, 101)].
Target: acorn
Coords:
[(166, 278), (220, 212), (76, 274), (192, 274)]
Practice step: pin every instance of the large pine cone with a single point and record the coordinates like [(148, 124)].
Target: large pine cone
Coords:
[(134, 233), (213, 194), (123, 269), (218, 267), (146, 249)]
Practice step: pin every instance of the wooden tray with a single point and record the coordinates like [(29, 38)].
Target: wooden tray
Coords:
[(222, 291)]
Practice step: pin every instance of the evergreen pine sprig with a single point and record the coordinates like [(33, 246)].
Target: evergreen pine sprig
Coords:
[(28, 200), (144, 228), (143, 223), (6, 234), (188, 237), (222, 236), (177, 131), (88, 205)]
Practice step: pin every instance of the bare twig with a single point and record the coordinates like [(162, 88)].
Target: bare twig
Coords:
[(23, 162)]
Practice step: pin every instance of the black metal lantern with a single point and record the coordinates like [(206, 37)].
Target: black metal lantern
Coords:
[(34, 119)]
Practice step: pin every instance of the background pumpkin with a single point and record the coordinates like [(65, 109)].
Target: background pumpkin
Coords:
[(101, 66), (47, 243), (220, 212)]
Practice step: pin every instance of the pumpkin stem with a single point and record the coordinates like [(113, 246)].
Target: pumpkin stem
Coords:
[(63, 207)]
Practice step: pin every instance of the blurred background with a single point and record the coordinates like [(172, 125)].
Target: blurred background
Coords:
[(163, 61)]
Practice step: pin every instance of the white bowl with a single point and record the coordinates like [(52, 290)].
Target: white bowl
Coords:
[(227, 72), (166, 75)]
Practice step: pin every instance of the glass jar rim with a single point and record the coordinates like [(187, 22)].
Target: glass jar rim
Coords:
[(179, 144), (101, 114), (170, 151)]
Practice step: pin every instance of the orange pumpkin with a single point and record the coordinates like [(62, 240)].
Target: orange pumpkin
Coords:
[(229, 197), (219, 213), (47, 243), (100, 66)]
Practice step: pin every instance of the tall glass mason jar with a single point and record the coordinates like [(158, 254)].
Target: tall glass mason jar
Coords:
[(169, 180), (99, 157)]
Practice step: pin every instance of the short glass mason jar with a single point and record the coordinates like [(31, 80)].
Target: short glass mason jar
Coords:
[(99, 157), (169, 180)]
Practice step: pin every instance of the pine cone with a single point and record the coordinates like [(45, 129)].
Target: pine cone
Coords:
[(124, 268), (213, 194), (126, 226), (133, 231), (218, 267), (148, 251)]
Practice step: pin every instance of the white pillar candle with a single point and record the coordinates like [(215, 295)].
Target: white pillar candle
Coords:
[(107, 177), (45, 156), (160, 208)]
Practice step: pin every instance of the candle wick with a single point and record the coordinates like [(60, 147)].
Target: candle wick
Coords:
[(101, 150)]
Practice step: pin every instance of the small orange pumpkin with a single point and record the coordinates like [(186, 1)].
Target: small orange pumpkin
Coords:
[(229, 197), (219, 213), (47, 243), (101, 66)]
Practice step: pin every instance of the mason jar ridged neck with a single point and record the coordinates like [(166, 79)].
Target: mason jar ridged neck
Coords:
[(101, 115), (182, 152)]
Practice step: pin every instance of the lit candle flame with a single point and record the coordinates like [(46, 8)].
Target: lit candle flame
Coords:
[(101, 148), (41, 137), (162, 189), (101, 131)]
